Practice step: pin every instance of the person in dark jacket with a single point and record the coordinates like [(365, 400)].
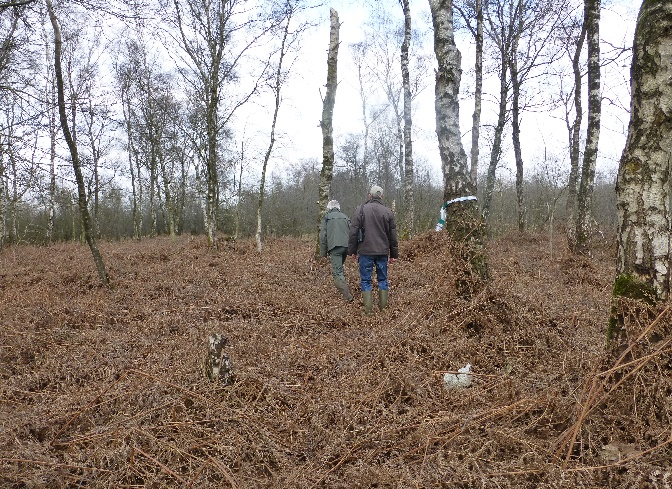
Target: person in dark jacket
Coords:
[(334, 242), (379, 241)]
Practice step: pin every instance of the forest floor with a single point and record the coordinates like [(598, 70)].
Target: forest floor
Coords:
[(104, 388)]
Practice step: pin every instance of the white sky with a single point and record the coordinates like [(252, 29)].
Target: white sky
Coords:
[(300, 137)]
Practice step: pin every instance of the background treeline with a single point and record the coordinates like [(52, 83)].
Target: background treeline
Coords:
[(159, 155), (292, 208)]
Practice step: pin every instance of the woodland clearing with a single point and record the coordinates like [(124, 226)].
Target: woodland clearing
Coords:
[(103, 388)]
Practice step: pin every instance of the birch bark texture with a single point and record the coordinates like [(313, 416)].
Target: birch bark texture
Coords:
[(643, 184), (585, 196), (327, 124), (409, 178), (478, 93), (462, 218), (456, 174)]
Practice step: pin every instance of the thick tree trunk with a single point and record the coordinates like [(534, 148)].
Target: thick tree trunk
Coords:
[(81, 188), (327, 124), (585, 196), (643, 187), (409, 200), (457, 180), (462, 221)]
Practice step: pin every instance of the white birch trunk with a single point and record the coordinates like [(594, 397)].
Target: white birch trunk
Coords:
[(585, 195), (643, 186), (327, 124), (409, 200)]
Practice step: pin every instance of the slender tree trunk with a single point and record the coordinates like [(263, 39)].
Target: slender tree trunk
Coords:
[(152, 191), (50, 97), (326, 124), (515, 135), (169, 197), (277, 87), (362, 95), (82, 201), (574, 137), (212, 195), (239, 190), (14, 201), (496, 151), (52, 163), (409, 177), (478, 94), (95, 157), (644, 250), (3, 200), (585, 196), (136, 212)]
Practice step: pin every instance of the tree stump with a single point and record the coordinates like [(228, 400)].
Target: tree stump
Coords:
[(217, 365)]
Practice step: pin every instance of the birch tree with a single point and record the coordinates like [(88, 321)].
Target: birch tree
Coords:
[(585, 195), (359, 53), (475, 11), (644, 251), (125, 75), (288, 10), (462, 220), (327, 123), (215, 36), (574, 127), (501, 36), (74, 153), (409, 201)]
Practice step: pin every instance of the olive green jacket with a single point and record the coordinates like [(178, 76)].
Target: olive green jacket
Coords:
[(333, 231)]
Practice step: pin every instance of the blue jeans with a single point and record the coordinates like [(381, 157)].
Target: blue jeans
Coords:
[(366, 264)]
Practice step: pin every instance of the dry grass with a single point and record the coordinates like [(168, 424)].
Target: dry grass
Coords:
[(103, 388)]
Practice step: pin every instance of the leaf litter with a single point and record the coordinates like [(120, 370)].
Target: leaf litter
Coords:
[(104, 388)]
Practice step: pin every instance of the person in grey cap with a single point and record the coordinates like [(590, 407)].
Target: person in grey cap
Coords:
[(334, 242), (373, 246)]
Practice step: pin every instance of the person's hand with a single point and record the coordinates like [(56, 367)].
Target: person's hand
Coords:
[(392, 260)]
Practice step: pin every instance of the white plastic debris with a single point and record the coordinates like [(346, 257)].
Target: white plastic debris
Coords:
[(459, 380)]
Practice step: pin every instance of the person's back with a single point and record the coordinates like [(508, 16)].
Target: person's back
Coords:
[(380, 236), (334, 231), (380, 240), (334, 242)]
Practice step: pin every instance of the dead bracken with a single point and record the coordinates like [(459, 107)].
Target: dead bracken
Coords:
[(104, 388)]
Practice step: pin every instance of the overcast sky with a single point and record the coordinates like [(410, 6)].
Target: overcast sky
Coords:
[(300, 137)]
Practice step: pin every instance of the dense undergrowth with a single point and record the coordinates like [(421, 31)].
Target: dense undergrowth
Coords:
[(103, 388)]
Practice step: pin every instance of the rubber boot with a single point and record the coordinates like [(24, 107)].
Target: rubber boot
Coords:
[(343, 288), (367, 299), (382, 299)]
